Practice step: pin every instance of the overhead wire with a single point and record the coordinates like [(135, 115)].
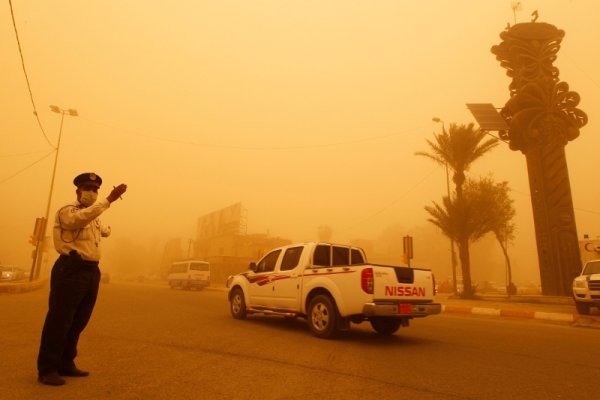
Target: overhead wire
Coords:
[(295, 147), (26, 76), (417, 184), (231, 147), (584, 72), (19, 155), (26, 168), (402, 196), (526, 194), (300, 147)]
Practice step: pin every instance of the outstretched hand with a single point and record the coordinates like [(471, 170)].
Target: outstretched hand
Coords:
[(117, 192)]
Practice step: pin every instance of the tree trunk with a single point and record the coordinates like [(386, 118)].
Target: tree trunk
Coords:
[(463, 240), (465, 264), (510, 287)]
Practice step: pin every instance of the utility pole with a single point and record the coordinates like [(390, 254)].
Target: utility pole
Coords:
[(38, 254)]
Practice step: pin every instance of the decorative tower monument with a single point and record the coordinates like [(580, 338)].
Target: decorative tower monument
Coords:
[(542, 117)]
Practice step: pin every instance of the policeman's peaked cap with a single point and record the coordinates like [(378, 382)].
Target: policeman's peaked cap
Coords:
[(87, 179)]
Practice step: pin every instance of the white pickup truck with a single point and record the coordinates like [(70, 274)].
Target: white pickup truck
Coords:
[(331, 286)]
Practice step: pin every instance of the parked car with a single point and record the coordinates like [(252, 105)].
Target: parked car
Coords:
[(189, 274), (586, 287), (11, 273)]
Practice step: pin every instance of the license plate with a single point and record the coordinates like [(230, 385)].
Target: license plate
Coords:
[(404, 308)]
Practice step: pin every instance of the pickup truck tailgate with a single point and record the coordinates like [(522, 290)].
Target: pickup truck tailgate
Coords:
[(403, 284)]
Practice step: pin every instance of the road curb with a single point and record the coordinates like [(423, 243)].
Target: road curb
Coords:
[(559, 317), (574, 319), (587, 321)]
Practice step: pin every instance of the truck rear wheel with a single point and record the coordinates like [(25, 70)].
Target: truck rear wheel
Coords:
[(582, 308), (385, 326), (237, 304), (322, 317)]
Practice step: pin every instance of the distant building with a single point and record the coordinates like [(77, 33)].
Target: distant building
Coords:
[(221, 239)]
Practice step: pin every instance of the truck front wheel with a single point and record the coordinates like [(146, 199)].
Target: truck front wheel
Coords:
[(385, 326), (237, 304), (582, 308), (322, 317)]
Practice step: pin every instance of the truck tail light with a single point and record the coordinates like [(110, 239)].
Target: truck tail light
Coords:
[(366, 280), (433, 280)]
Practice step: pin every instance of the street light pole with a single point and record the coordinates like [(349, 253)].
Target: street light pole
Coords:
[(40, 248), (452, 252)]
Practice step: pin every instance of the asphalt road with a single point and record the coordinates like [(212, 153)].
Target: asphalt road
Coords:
[(151, 342)]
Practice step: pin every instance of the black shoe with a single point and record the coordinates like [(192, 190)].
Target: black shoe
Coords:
[(52, 379), (72, 371)]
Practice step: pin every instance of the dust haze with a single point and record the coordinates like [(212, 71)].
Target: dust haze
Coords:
[(308, 113)]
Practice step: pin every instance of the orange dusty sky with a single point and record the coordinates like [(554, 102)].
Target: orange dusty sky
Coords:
[(307, 112)]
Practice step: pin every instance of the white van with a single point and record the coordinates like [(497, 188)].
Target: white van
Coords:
[(189, 274)]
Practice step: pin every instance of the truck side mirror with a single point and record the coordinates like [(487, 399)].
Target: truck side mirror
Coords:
[(252, 266)]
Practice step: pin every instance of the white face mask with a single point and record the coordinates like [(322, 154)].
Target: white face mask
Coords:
[(88, 197)]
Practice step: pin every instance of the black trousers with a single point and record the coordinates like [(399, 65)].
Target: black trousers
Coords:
[(73, 292)]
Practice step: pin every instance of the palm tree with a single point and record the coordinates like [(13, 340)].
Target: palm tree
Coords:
[(465, 222), (457, 149), (485, 208), (502, 212)]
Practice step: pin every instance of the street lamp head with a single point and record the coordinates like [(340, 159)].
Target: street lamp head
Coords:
[(72, 112), (436, 119)]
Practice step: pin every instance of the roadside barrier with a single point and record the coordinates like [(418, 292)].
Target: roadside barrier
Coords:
[(22, 287)]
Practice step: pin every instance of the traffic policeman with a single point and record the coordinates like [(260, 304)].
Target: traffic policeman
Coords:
[(74, 279)]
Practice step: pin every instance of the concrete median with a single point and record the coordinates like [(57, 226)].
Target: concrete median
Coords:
[(22, 286)]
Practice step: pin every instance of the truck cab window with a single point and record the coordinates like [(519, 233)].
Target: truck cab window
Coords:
[(291, 258), (267, 264), (341, 255), (322, 256), (356, 257)]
